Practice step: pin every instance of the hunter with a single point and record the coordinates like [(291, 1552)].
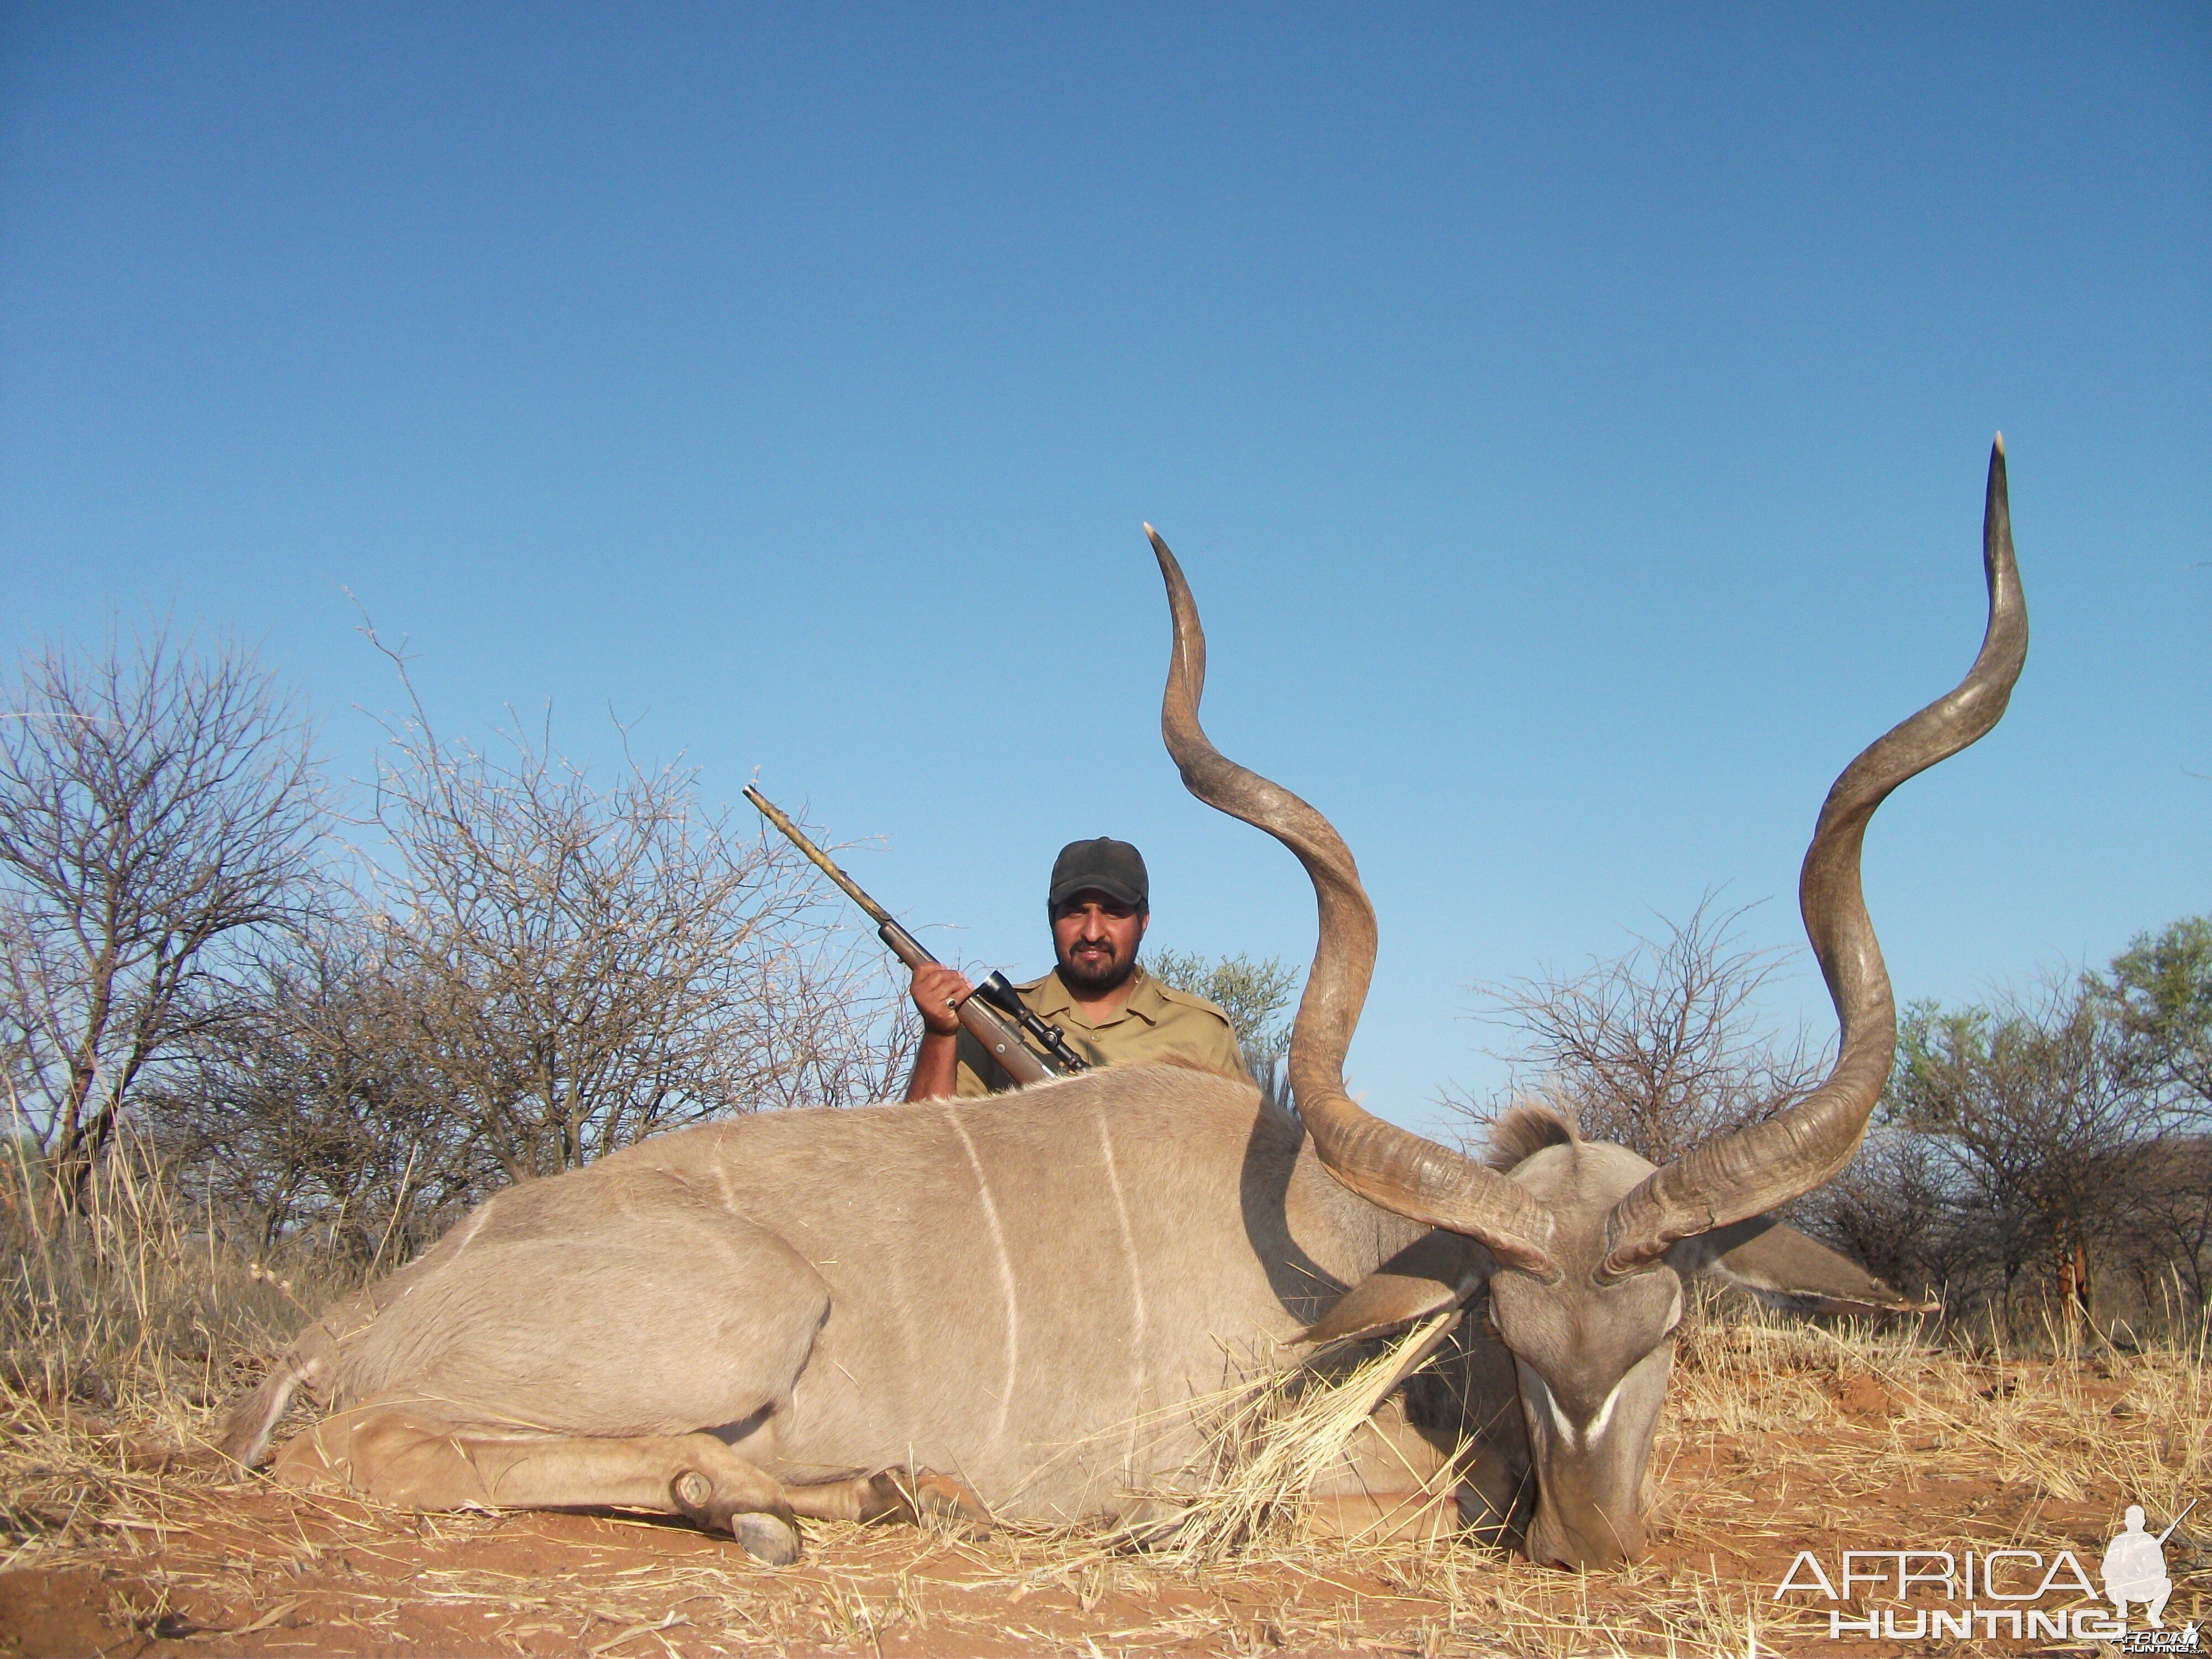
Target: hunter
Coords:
[(1111, 1011)]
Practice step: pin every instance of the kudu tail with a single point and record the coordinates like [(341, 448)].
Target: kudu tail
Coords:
[(244, 1438)]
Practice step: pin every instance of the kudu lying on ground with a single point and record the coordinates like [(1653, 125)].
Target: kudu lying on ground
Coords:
[(806, 1313)]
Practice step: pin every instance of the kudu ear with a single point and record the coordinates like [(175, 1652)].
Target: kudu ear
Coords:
[(1436, 1271), (1779, 1264)]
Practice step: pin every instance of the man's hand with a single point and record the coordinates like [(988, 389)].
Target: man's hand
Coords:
[(937, 990)]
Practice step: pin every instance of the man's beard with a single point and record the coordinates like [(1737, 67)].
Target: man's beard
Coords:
[(1095, 982)]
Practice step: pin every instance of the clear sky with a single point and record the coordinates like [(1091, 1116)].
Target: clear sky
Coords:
[(1572, 419)]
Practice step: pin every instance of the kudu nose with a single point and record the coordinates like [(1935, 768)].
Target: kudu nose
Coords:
[(1552, 1544)]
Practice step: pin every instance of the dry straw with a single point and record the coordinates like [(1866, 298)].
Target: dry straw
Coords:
[(124, 1331), (1270, 1441)]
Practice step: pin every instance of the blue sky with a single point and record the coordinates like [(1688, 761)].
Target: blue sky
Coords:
[(1572, 419)]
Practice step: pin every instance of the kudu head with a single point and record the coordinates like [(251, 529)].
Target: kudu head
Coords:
[(1587, 1245)]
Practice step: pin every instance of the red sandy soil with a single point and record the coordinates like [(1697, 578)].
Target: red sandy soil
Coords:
[(195, 1567)]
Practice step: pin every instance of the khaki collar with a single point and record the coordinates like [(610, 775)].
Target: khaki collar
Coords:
[(1145, 1001)]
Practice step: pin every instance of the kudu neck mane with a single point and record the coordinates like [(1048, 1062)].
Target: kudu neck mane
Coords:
[(1525, 1130)]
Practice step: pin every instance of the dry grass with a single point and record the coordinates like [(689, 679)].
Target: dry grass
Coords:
[(132, 1298), (2062, 1430), (1267, 1442), (124, 1333), (121, 1331)]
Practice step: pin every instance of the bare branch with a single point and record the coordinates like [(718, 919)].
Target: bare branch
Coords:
[(161, 810), (1660, 1048)]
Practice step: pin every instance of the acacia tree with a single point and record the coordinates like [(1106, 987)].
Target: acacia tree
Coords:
[(545, 973), (2030, 1103), (2160, 996), (588, 964), (1253, 993), (1900, 1210), (1660, 1048), (534, 968), (159, 808), (2168, 1244), (311, 1102)]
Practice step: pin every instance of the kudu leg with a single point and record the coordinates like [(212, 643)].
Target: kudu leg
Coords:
[(907, 1495), (398, 1454), (1445, 1455), (1393, 1484), (407, 1457)]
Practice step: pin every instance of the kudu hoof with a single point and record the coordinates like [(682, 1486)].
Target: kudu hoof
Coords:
[(769, 1539)]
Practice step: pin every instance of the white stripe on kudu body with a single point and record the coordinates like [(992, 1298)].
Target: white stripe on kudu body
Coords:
[(1130, 1257), (1005, 1274)]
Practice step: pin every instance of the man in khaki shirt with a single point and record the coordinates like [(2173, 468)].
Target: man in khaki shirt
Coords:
[(1111, 1010)]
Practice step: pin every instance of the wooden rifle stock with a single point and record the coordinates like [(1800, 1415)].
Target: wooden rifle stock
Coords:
[(1000, 1039)]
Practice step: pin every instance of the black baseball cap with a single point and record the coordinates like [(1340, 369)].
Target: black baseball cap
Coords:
[(1106, 865)]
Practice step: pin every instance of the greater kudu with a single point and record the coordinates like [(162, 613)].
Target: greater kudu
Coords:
[(803, 1313)]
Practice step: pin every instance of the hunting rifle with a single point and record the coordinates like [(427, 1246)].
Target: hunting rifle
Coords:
[(995, 1015), (2176, 1522)]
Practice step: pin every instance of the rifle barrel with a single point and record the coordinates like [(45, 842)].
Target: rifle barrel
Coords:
[(821, 860), (999, 1040), (2177, 1521)]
